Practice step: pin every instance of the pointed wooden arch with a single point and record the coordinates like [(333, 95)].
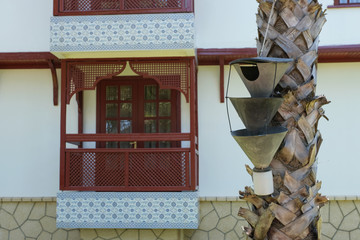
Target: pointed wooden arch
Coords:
[(169, 73)]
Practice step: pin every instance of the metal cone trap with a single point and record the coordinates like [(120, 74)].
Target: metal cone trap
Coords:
[(256, 113), (260, 147), (260, 75)]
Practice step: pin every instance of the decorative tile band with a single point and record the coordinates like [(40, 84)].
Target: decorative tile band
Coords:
[(122, 32), (177, 210)]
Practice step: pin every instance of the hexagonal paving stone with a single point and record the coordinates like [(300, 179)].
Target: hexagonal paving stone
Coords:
[(355, 235), (16, 234), (38, 211), (48, 224), (328, 230), (350, 222), (227, 224), (223, 209), (216, 235), (205, 208), (44, 236), (22, 212), (335, 214), (51, 209), (231, 236), (31, 228), (7, 221), (9, 207), (324, 211), (4, 234), (130, 234), (158, 232), (147, 234), (60, 234), (209, 221), (200, 235), (346, 207), (88, 234), (341, 235), (74, 234), (169, 234), (106, 233)]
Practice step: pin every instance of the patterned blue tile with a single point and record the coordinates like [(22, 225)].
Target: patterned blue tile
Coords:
[(127, 210), (122, 32)]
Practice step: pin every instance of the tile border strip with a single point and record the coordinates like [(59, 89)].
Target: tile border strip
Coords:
[(27, 199), (202, 199)]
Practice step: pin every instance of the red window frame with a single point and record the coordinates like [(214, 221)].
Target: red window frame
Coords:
[(138, 107), (337, 4), (60, 9)]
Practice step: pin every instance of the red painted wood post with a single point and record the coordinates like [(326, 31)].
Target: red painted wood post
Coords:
[(63, 123)]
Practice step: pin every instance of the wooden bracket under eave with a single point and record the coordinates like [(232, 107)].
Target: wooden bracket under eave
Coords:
[(221, 64), (55, 82)]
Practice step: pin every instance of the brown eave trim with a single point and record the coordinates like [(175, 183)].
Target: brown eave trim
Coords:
[(27, 60), (327, 54)]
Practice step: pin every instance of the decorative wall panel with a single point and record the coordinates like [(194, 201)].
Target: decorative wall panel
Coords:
[(122, 32), (177, 210)]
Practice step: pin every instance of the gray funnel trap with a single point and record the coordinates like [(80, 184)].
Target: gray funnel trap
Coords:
[(261, 74), (259, 147), (256, 113)]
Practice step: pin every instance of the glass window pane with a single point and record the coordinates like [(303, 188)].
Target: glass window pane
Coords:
[(354, 1), (343, 1), (164, 144), (164, 125), (164, 94), (125, 109), (125, 145), (111, 144), (125, 93), (125, 126), (112, 93), (111, 126), (111, 110), (149, 144), (165, 109), (150, 109), (150, 92), (150, 126)]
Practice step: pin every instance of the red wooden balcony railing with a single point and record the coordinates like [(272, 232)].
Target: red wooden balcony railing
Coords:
[(141, 169), (100, 7)]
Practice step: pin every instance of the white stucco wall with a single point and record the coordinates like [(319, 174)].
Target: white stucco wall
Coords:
[(232, 24), (339, 161), (25, 25), (29, 134)]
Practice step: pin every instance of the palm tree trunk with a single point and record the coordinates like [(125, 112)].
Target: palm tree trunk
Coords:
[(293, 210)]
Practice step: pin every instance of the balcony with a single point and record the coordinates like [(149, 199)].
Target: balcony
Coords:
[(163, 160), (141, 169)]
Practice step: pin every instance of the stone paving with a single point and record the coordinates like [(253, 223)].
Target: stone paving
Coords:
[(34, 218), (131, 234)]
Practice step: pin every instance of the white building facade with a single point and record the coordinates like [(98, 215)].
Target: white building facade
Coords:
[(114, 112)]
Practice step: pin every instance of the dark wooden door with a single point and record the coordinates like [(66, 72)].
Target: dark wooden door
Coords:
[(137, 105)]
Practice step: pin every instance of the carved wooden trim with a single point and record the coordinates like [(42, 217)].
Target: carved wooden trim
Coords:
[(55, 82)]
